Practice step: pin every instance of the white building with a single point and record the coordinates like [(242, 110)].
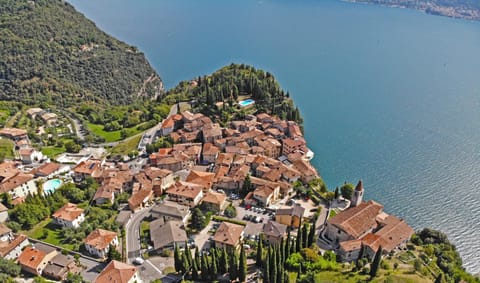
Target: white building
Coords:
[(99, 241), (69, 215)]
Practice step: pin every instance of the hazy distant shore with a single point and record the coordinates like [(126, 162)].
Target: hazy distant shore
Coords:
[(460, 11)]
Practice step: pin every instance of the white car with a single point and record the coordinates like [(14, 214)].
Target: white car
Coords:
[(138, 260)]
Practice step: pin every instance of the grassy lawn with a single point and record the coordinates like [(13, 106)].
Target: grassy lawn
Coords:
[(383, 276), (53, 151), (111, 136), (333, 212), (53, 237), (126, 146), (6, 149)]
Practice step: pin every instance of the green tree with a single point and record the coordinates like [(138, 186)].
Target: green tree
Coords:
[(233, 271), (376, 262), (266, 267), (259, 256), (247, 185), (299, 239), (230, 211), (305, 236), (337, 193), (9, 267), (177, 259), (439, 278), (224, 261), (347, 190), (242, 265), (198, 219), (74, 278), (311, 235), (113, 254)]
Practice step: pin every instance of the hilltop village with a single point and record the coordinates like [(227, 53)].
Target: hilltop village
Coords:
[(208, 189)]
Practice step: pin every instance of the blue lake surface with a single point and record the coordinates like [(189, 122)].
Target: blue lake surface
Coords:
[(391, 96)]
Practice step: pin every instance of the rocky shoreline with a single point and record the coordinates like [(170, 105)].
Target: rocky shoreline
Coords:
[(460, 12)]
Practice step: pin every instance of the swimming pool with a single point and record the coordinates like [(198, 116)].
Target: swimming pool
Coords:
[(51, 185), (246, 102)]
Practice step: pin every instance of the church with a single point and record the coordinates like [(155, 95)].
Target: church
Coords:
[(363, 228)]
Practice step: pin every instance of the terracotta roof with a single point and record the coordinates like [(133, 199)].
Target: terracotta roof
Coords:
[(31, 257), (47, 169), (13, 132), (392, 233), (209, 149), (185, 189), (139, 197), (263, 191), (204, 179), (228, 233), (100, 239), (26, 151), (116, 272), (296, 210), (355, 221), (15, 181), (87, 167), (352, 245), (168, 123), (172, 209), (3, 208), (166, 234), (68, 212), (4, 229), (7, 246), (274, 229), (104, 192), (8, 169), (215, 198)]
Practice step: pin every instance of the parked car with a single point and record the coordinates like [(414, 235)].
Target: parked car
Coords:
[(138, 260)]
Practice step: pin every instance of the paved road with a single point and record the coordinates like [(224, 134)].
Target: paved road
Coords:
[(132, 230)]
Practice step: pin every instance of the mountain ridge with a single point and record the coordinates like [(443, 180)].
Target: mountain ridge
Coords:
[(50, 53)]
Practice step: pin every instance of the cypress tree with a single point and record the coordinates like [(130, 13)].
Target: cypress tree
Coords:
[(311, 235), (299, 239), (305, 235), (188, 253), (376, 262), (281, 273), (293, 248), (224, 262), (177, 259), (185, 265), (274, 271), (233, 271), (439, 278), (266, 272), (282, 251), (337, 193), (242, 272), (299, 271), (287, 245), (214, 264), (197, 258), (204, 267), (259, 259), (195, 272)]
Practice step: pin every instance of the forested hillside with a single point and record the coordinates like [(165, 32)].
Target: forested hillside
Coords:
[(50, 53), (217, 94), (465, 9)]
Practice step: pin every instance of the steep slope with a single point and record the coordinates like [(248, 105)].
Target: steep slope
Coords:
[(51, 53)]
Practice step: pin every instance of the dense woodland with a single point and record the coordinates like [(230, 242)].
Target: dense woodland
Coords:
[(216, 95), (51, 53)]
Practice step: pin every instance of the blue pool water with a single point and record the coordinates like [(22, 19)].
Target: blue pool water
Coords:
[(247, 102), (51, 185)]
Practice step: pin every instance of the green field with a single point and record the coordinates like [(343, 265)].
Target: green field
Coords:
[(53, 234), (6, 149), (111, 136), (53, 151), (126, 146)]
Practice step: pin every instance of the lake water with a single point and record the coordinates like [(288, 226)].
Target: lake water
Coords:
[(388, 95)]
